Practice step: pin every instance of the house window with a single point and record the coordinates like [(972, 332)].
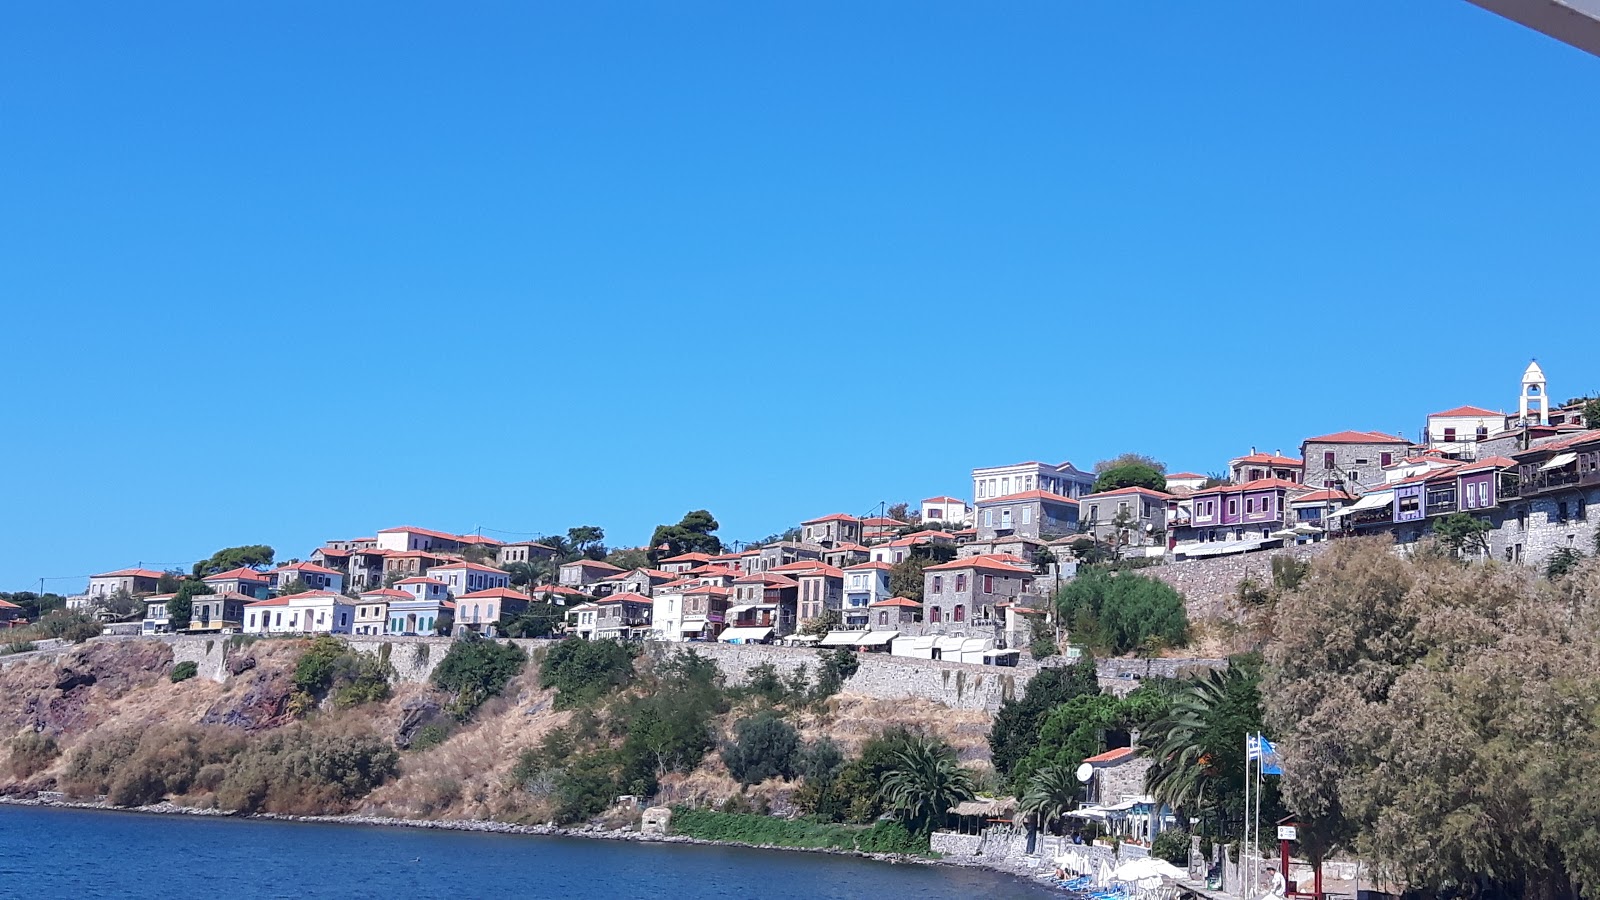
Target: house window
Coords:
[(1327, 459), (1250, 505), (961, 583), (988, 584), (1233, 506), (1094, 511), (1561, 511), (883, 618), (1450, 434), (934, 615), (1027, 515), (938, 583), (1583, 509), (988, 518), (960, 613), (1386, 459)]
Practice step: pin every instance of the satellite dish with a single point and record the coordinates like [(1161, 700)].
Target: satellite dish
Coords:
[(1085, 772)]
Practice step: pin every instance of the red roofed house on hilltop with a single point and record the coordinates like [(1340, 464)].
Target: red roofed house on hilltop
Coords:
[(1254, 466), (580, 573), (242, 580), (1064, 480), (133, 581), (831, 529), (959, 597), (1351, 460), (481, 611), (522, 552), (1134, 517), (467, 577), (946, 509), (623, 617), (1457, 431), (313, 576), (408, 538), (1185, 481)]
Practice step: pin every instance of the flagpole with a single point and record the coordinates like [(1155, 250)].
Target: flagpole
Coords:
[(1261, 759), (1244, 844)]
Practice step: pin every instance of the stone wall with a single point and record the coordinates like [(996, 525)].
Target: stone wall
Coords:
[(1532, 530), (1209, 585)]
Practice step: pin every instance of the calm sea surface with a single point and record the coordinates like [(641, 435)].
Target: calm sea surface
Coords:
[(62, 853)]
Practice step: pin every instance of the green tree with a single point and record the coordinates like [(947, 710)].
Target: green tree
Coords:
[(822, 624), (924, 782), (119, 606), (587, 541), (1051, 792), (537, 620), (181, 607), (629, 558), (229, 558), (1562, 562), (900, 512), (1591, 413), (581, 670), (1463, 533), (1197, 750), (906, 580), (170, 581), (764, 746), (476, 669), (1130, 474), (293, 586), (1129, 459), (1122, 611), (694, 533), (1016, 725)]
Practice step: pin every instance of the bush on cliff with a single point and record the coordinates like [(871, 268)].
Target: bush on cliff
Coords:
[(328, 667), (769, 831), (304, 771), (31, 752), (581, 670), (135, 767), (184, 671), (476, 669), (1120, 612), (764, 746)]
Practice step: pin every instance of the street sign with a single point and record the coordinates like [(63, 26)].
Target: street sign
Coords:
[(1286, 833)]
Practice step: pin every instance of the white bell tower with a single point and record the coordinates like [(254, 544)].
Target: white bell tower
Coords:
[(1535, 406)]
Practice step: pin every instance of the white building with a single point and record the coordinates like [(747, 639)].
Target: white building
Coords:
[(418, 616), (313, 576), (1064, 480), (372, 609), (666, 611), (406, 538), (468, 577), (156, 620), (584, 619), (1457, 431), (864, 584), (946, 509), (431, 589), (1190, 481), (133, 581), (314, 612)]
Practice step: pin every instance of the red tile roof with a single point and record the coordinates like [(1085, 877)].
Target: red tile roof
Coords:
[(1122, 492), (686, 557), (1264, 459), (821, 571), (419, 580), (387, 592), (624, 598), (921, 537), (715, 572), (499, 593), (1462, 412), (593, 564), (240, 574), (332, 551), (370, 551), (1029, 495), (882, 522), (425, 532), (1356, 437), (979, 562), (880, 566), (413, 554), (943, 500), (1117, 755), (711, 589), (558, 589), (768, 579), (275, 601), (480, 539), (472, 566), (1260, 484), (1323, 496), (834, 517), (797, 566), (1188, 475), (7, 604), (898, 601), (307, 567), (131, 573)]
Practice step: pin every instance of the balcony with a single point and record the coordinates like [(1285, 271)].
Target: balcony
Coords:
[(1545, 482)]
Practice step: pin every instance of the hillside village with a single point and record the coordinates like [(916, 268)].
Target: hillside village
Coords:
[(965, 580)]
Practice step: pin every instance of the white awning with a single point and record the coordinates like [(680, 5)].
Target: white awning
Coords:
[(842, 639), (1557, 461), (744, 634), (925, 642), (741, 607), (1374, 500), (877, 638), (949, 644), (802, 639)]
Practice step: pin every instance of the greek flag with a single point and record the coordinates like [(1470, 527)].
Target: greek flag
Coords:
[(1257, 747)]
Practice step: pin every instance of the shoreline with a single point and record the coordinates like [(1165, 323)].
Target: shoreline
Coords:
[(482, 826)]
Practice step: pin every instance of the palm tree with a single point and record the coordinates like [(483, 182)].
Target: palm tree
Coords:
[(1051, 792), (924, 782), (1197, 750)]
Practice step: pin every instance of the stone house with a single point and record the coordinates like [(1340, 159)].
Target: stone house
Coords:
[(410, 563), (1255, 466), (522, 552), (766, 600), (782, 553), (959, 597), (1351, 460), (821, 589), (894, 614), (1035, 514), (922, 542), (623, 617), (635, 581), (1548, 506), (845, 555), (683, 562), (705, 611), (365, 568), (1118, 776), (877, 529), (214, 612), (1134, 516), (132, 581), (831, 529), (581, 573)]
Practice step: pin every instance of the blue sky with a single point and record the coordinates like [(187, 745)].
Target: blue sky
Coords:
[(300, 271)]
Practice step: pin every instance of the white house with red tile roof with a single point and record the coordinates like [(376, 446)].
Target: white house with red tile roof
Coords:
[(418, 616), (372, 609), (318, 578), (424, 588), (946, 509), (480, 611), (407, 537), (864, 584), (466, 577), (898, 549), (1458, 430), (134, 581), (1185, 481), (314, 612), (683, 562), (242, 580)]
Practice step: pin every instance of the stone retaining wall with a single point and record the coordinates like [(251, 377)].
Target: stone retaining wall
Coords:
[(1210, 585)]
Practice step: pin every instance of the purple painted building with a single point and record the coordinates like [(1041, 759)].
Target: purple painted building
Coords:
[(1239, 511)]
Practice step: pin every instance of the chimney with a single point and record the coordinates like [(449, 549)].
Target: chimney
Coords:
[(1252, 449)]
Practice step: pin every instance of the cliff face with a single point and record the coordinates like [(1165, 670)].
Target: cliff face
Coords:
[(68, 719)]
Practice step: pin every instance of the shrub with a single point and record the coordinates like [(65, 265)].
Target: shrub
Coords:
[(329, 667), (582, 670), (68, 625), (1123, 611), (476, 669), (31, 753), (764, 830), (429, 736), (184, 671), (1288, 572), (1172, 846), (764, 746), (93, 763), (19, 647), (837, 666), (586, 786), (299, 770)]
